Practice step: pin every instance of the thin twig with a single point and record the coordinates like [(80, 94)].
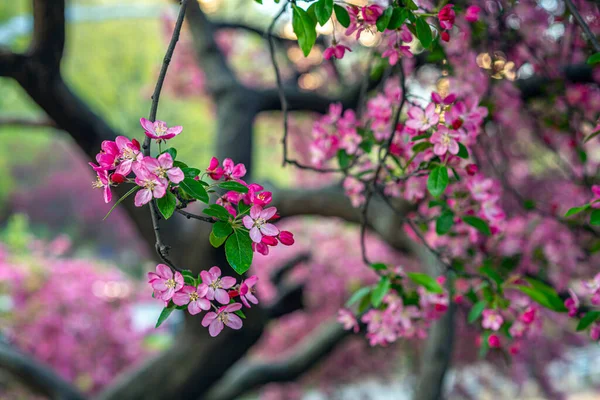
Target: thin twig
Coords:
[(189, 215), (162, 249), (583, 25)]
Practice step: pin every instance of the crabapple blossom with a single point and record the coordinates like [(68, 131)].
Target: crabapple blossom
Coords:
[(491, 320), (232, 171), (129, 152), (246, 291), (214, 169), (444, 141), (335, 51), (472, 13), (421, 120), (159, 131), (447, 16), (223, 317), (163, 168), (257, 223), (193, 297), (164, 282), (151, 185), (217, 285), (103, 182)]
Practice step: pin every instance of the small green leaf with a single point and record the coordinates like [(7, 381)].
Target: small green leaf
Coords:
[(462, 151), (589, 318), (120, 200), (323, 10), (194, 188), (444, 222), (217, 211), (222, 229), (384, 19), (410, 4), (243, 208), (180, 164), (478, 224), (343, 159), (576, 210), (190, 172), (240, 314), (166, 312), (342, 15), (594, 59), (216, 242), (595, 217), (396, 19), (166, 204), (553, 302), (492, 274), (378, 266), (437, 181), (238, 250), (426, 281), (380, 291), (305, 29), (358, 295), (424, 32), (421, 146), (476, 311), (235, 186), (172, 152)]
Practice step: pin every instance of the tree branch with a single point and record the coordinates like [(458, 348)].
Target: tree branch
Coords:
[(27, 122), (583, 25), (36, 375), (248, 375)]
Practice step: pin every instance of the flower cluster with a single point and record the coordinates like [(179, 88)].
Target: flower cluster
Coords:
[(208, 290)]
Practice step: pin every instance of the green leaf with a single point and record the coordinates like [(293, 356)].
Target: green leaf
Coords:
[(358, 295), (190, 172), (380, 291), (378, 266), (384, 19), (410, 4), (594, 59), (595, 217), (195, 189), (172, 152), (437, 181), (444, 222), (577, 210), (342, 15), (426, 281), (396, 20), (424, 32), (166, 204), (238, 250), (343, 159), (240, 314), (217, 211), (550, 301), (120, 200), (462, 151), (422, 146), (243, 208), (216, 242), (221, 229), (589, 318), (180, 164), (323, 10), (235, 186), (305, 29), (166, 312), (478, 224), (476, 311), (492, 274)]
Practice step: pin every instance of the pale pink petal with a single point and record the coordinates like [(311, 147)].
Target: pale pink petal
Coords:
[(202, 289), (215, 272), (453, 147), (233, 307), (164, 271), (255, 212), (207, 278), (193, 307), (208, 318), (251, 281), (439, 149), (248, 222), (268, 213), (147, 125), (269, 230), (215, 327), (175, 175), (142, 197), (227, 282), (175, 130), (255, 235), (252, 298), (234, 322), (221, 296), (159, 284), (159, 191), (181, 298), (165, 160)]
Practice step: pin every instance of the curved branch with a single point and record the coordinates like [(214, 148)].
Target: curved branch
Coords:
[(248, 375), (36, 375)]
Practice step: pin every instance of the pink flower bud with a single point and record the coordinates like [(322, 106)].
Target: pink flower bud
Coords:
[(472, 169), (117, 178), (494, 341), (286, 238), (445, 36), (472, 13)]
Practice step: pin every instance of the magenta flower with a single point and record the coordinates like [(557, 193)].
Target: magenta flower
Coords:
[(217, 285), (438, 99), (102, 182), (491, 320), (257, 223), (163, 167), (472, 13), (129, 152), (335, 51), (232, 170), (395, 51), (572, 304), (247, 291), (109, 155), (447, 16), (214, 170), (164, 282), (152, 185), (421, 120), (193, 297), (444, 140), (224, 316), (159, 130), (286, 238)]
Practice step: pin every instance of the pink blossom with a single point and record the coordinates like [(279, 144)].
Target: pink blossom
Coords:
[(395, 51), (247, 291), (164, 282), (224, 316), (444, 141), (163, 167), (572, 304), (286, 238), (103, 182), (109, 154), (362, 19), (152, 185), (472, 13), (446, 16), (354, 189), (491, 320), (129, 152), (494, 341), (421, 120), (348, 320), (217, 285), (257, 223), (256, 195), (335, 51), (233, 171), (214, 170), (159, 130), (193, 297), (405, 34), (438, 99)]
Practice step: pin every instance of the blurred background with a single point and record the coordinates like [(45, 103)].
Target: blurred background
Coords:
[(72, 289)]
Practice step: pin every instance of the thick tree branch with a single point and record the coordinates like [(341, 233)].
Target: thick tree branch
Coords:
[(48, 41), (27, 122), (35, 375), (248, 375)]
